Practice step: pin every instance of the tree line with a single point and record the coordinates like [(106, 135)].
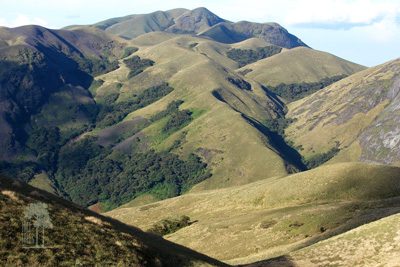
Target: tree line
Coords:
[(296, 91), (248, 56)]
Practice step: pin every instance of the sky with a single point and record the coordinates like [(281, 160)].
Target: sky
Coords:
[(366, 32)]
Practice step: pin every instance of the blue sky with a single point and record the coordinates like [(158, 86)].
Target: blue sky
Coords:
[(363, 31)]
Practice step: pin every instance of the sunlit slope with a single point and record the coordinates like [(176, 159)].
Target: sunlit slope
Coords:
[(279, 215), (220, 131), (135, 25), (199, 21), (80, 236), (358, 115), (360, 245), (372, 244), (251, 43), (299, 64), (227, 32)]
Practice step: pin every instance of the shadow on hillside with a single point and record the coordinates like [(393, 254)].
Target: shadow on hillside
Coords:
[(153, 249), (288, 153), (282, 261), (364, 213)]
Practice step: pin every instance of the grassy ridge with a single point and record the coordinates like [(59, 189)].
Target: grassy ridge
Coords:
[(357, 246), (245, 57), (299, 65)]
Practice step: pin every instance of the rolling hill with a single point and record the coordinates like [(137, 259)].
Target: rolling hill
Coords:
[(298, 65), (136, 25), (211, 131), (106, 92), (201, 22)]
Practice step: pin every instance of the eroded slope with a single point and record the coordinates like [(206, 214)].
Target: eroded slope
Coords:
[(358, 115)]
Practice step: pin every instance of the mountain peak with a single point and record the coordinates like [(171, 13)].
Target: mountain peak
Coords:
[(199, 21), (195, 21)]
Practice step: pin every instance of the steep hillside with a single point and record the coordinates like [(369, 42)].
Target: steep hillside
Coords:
[(277, 216), (358, 115), (79, 236), (41, 68)]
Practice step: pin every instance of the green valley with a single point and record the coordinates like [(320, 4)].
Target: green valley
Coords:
[(233, 139)]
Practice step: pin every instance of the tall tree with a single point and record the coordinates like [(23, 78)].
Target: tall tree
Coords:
[(38, 212)]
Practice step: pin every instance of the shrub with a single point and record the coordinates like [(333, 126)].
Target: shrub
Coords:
[(96, 67), (129, 51), (320, 158), (295, 91), (245, 57), (137, 65), (170, 225)]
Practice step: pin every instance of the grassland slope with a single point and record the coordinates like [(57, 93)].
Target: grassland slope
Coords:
[(276, 216), (357, 247), (136, 25), (80, 236), (297, 65), (201, 78)]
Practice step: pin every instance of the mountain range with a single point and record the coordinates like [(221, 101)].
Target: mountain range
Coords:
[(268, 145)]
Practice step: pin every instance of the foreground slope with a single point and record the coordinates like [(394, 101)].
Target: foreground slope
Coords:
[(357, 247), (359, 115), (276, 216), (81, 237)]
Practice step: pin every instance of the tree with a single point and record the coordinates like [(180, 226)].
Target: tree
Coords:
[(38, 212)]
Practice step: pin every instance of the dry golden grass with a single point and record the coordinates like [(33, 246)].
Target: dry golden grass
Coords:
[(373, 244), (278, 215), (251, 43), (81, 237)]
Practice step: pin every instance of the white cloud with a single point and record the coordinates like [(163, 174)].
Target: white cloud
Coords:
[(21, 20), (334, 14), (385, 31)]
